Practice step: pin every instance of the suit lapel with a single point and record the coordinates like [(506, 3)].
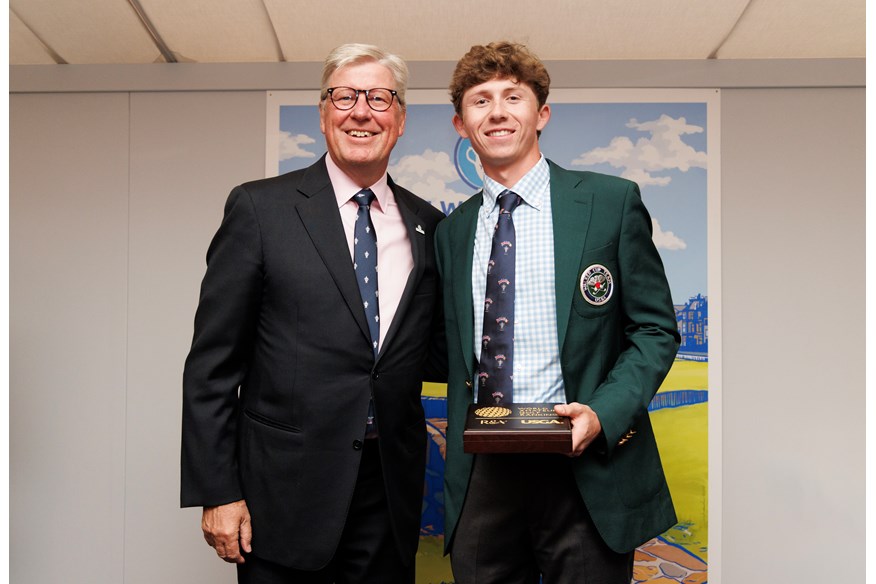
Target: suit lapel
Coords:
[(462, 248), (417, 236), (320, 216), (571, 206)]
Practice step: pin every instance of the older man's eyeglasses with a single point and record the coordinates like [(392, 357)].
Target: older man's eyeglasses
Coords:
[(378, 99)]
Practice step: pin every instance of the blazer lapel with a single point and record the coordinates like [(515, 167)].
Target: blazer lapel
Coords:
[(417, 235), (320, 216), (462, 248), (571, 206)]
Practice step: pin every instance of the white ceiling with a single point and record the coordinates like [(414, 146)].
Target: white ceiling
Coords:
[(224, 31)]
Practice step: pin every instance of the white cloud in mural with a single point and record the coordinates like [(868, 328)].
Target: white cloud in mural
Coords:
[(290, 146), (642, 178), (663, 150), (427, 175), (666, 239), (428, 164)]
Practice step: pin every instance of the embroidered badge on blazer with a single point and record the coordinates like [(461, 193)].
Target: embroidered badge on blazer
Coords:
[(597, 284)]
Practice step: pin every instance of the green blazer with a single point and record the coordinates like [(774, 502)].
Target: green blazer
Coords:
[(613, 355)]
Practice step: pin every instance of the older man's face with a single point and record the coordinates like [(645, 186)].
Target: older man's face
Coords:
[(360, 139)]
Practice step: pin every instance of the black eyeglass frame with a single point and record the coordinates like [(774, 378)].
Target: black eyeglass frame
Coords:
[(393, 96)]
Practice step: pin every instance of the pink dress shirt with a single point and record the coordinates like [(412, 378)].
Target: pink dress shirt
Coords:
[(393, 244)]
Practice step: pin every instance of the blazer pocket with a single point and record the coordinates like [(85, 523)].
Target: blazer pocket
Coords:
[(598, 283), (270, 422), (271, 458)]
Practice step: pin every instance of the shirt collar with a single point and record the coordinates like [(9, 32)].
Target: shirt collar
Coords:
[(345, 189), (532, 187)]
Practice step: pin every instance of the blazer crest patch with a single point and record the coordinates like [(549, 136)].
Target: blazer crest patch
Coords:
[(597, 284)]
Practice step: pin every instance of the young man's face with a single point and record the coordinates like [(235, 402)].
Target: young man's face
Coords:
[(501, 118), (360, 139)]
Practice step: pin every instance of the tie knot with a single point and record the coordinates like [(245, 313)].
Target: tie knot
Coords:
[(508, 201), (364, 197)]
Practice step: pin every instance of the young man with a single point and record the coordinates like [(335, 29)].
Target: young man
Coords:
[(303, 432), (586, 321)]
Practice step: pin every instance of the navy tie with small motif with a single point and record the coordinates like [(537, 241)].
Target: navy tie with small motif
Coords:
[(496, 368), (365, 265)]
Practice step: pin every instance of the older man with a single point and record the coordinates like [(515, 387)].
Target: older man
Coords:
[(319, 318)]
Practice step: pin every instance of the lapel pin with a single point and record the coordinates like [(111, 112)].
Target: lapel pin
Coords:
[(420, 230)]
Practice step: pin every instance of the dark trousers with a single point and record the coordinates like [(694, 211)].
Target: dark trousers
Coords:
[(367, 552), (523, 518)]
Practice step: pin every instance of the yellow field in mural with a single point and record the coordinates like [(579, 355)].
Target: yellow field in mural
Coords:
[(682, 435)]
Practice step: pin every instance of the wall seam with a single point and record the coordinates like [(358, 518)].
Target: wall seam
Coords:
[(127, 346)]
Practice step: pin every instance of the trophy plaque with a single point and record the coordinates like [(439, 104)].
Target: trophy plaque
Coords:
[(514, 428)]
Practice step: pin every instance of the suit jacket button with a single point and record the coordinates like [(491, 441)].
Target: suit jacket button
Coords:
[(375, 375), (357, 445)]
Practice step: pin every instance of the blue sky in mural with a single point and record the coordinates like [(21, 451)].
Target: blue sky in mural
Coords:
[(662, 146)]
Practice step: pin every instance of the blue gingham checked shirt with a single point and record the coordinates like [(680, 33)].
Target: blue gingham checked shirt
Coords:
[(537, 374)]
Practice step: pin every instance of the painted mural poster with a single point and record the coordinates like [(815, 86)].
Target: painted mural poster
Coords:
[(666, 141)]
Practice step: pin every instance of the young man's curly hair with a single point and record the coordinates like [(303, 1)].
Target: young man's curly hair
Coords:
[(500, 59)]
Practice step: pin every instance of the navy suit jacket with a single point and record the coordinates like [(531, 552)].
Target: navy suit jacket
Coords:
[(277, 384)]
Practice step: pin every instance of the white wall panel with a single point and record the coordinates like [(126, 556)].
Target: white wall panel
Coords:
[(68, 243), (187, 151), (793, 317)]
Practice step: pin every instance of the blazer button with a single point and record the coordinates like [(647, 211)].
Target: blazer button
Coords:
[(357, 445), (375, 375)]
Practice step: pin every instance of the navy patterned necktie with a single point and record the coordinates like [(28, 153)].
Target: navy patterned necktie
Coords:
[(496, 368), (365, 265)]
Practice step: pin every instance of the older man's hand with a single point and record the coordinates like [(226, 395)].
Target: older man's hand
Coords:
[(228, 530)]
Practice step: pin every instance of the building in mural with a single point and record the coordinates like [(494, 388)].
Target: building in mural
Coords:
[(693, 325)]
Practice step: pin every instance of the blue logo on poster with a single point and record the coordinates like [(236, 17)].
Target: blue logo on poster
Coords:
[(467, 164)]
